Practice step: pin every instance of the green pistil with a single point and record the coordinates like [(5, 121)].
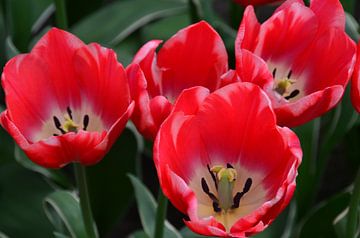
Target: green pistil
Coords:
[(226, 179)]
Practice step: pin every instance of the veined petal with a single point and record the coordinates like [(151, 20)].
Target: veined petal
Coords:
[(147, 59), (247, 36), (195, 56), (330, 13)]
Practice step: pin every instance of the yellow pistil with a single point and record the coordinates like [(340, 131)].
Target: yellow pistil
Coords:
[(70, 125), (225, 180), (283, 86)]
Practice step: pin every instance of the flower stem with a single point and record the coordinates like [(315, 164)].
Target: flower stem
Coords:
[(194, 11), (90, 227), (160, 215), (61, 18), (352, 221)]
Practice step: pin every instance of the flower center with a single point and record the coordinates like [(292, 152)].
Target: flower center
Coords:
[(69, 124), (284, 86), (224, 179)]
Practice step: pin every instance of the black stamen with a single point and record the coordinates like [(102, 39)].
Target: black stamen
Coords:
[(229, 166), (204, 186), (58, 125), (274, 73), (69, 112), (206, 190), (292, 94), (216, 207), (247, 185), (289, 74), (55, 134), (237, 199), (213, 177), (239, 195), (86, 122)]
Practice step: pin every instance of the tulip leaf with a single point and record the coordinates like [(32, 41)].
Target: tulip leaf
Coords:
[(319, 223), (126, 17), (2, 235), (352, 27), (138, 234), (147, 210), (21, 21), (63, 210), (109, 188), (10, 49), (55, 176), (187, 233), (21, 195), (340, 223), (59, 235), (6, 148)]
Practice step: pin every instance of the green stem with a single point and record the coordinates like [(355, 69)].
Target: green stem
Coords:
[(80, 172), (353, 221), (194, 9), (61, 18), (160, 215)]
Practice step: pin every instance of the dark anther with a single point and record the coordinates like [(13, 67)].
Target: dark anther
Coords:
[(69, 112), (239, 195), (55, 134), (206, 190), (237, 199), (204, 186), (213, 177), (247, 185), (289, 74), (58, 125), (229, 166), (274, 73), (86, 122), (216, 207), (292, 94)]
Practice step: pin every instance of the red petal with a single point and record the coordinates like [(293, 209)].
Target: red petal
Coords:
[(309, 107), (49, 77), (195, 56), (149, 113), (189, 100), (279, 36), (146, 58), (251, 68), (330, 13), (247, 36), (103, 81), (355, 84)]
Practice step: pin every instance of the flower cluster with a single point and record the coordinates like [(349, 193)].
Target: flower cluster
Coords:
[(222, 150)]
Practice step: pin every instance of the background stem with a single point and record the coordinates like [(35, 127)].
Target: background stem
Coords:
[(61, 18), (80, 172), (353, 219), (160, 215)]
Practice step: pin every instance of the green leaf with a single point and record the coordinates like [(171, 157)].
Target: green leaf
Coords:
[(55, 176), (126, 17), (21, 195), (352, 27), (65, 206), (6, 148), (59, 235), (147, 210), (21, 21), (340, 223), (10, 48), (187, 233), (2, 235), (319, 223), (138, 234), (110, 190)]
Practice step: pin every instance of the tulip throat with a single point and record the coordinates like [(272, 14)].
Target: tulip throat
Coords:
[(224, 179), (69, 125), (284, 86)]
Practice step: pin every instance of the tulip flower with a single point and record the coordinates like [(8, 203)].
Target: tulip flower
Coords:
[(256, 2), (222, 160), (301, 56), (355, 83), (195, 56), (66, 101)]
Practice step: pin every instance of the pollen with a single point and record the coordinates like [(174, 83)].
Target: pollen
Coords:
[(70, 125)]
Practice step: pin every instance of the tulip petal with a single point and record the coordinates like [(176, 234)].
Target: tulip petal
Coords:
[(355, 83), (195, 56), (247, 36), (330, 13)]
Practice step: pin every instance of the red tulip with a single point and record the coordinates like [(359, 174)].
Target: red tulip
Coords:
[(195, 56), (66, 101), (222, 160), (355, 83), (301, 56), (256, 2)]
